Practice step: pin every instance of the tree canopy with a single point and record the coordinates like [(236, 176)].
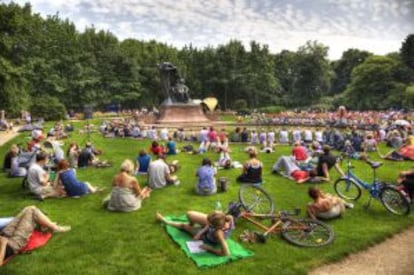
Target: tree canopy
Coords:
[(48, 59)]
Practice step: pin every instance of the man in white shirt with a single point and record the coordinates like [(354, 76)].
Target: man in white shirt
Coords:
[(159, 174), (284, 136), (38, 179), (297, 135)]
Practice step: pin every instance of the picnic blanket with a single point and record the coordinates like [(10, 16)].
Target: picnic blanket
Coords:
[(204, 259), (37, 239)]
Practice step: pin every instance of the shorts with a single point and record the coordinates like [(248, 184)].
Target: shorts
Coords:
[(335, 212), (46, 191), (299, 175)]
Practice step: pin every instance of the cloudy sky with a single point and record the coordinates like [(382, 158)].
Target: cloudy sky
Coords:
[(378, 26)]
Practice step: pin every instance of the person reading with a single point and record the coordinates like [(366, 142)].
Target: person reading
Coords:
[(212, 229)]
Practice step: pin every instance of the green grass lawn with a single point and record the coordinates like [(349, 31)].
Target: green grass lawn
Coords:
[(102, 242)]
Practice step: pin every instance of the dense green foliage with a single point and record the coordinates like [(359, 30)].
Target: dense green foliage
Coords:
[(48, 107), (133, 243), (42, 57)]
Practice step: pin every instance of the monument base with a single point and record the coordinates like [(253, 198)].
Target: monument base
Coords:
[(181, 113)]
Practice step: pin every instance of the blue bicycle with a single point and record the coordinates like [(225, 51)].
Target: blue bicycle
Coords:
[(349, 188)]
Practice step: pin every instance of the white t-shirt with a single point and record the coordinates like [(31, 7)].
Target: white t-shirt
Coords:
[(319, 136), (308, 135), (164, 134), (156, 174), (34, 178), (271, 137), (284, 137), (297, 136), (204, 135)]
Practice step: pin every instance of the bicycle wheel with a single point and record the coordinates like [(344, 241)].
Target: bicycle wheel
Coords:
[(347, 189), (255, 199), (394, 201), (307, 232)]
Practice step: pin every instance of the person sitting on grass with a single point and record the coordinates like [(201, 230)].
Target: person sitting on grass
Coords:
[(38, 179), (406, 180), (171, 147), (369, 144), (66, 176), (206, 184), (325, 206), (15, 235), (252, 169), (299, 152), (72, 154), (12, 162), (142, 163), (213, 229), (325, 162), (126, 194), (87, 156), (156, 149), (7, 163), (159, 173)]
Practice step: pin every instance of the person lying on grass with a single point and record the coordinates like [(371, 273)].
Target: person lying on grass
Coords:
[(213, 229), (66, 176), (126, 195), (15, 235), (325, 206), (405, 152), (286, 166)]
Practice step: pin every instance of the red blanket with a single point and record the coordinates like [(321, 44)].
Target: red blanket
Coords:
[(37, 239), (407, 151)]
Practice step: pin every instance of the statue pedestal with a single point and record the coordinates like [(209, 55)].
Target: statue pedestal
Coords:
[(181, 113)]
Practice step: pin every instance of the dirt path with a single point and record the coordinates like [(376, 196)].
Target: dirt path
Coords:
[(393, 256), (6, 136)]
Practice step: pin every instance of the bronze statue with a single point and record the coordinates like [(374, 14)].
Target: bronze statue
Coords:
[(172, 84)]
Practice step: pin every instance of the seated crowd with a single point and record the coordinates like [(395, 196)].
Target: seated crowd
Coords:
[(49, 173)]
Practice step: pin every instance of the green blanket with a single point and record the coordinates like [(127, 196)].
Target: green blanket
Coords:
[(204, 259)]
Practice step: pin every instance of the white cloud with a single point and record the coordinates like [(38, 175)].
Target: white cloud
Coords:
[(374, 25)]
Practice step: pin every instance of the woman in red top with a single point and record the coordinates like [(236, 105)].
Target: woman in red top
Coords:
[(156, 149)]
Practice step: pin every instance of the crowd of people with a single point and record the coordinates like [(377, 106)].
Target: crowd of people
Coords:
[(50, 172)]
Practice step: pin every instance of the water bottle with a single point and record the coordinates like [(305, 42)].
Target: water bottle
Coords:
[(218, 206)]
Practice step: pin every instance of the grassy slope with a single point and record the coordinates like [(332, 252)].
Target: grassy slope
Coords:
[(132, 243)]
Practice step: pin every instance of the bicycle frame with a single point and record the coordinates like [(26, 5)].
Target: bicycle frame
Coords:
[(374, 187), (277, 221)]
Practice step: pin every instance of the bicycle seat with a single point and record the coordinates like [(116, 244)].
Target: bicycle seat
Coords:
[(374, 164)]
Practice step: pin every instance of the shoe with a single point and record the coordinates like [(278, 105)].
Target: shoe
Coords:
[(177, 182), (349, 205)]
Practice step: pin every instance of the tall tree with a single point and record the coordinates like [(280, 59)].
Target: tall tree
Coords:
[(376, 85), (407, 51), (343, 68), (311, 74)]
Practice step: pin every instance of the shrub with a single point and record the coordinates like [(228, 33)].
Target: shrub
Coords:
[(272, 109), (48, 108), (240, 104)]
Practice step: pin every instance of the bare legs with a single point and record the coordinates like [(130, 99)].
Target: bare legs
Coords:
[(18, 231), (3, 244), (194, 217)]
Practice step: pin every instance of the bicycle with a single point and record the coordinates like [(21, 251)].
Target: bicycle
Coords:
[(255, 204), (349, 188)]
